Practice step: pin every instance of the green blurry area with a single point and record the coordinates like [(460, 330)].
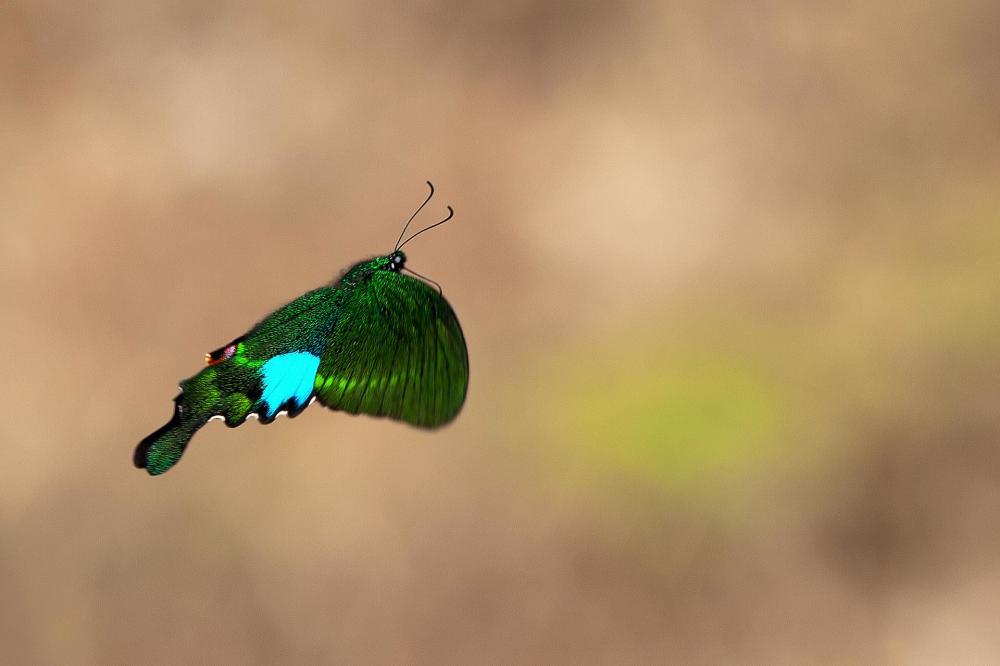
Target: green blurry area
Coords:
[(692, 405), (673, 412)]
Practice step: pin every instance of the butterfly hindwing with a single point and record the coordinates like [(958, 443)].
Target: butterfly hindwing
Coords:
[(397, 350)]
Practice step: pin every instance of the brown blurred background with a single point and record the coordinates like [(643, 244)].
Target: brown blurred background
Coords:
[(729, 279)]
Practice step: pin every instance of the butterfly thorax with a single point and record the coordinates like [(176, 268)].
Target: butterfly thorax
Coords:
[(362, 271)]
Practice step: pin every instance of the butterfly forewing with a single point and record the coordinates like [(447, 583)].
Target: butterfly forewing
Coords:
[(397, 350)]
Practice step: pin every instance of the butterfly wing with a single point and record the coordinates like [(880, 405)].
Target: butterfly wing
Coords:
[(397, 350), (269, 370)]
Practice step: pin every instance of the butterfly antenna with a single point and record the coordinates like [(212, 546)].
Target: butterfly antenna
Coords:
[(420, 208), (425, 278), (451, 214)]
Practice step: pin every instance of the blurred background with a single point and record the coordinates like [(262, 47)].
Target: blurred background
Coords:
[(728, 276)]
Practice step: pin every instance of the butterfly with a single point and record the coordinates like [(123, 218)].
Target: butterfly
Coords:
[(375, 341)]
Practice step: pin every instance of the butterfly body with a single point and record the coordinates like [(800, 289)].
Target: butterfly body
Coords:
[(376, 342)]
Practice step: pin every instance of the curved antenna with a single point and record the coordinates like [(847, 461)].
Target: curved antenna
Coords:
[(424, 277), (451, 214), (420, 208)]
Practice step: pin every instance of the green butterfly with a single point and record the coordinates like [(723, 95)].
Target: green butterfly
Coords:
[(374, 342)]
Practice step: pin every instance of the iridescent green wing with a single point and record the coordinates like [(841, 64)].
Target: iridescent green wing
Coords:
[(397, 350), (269, 370)]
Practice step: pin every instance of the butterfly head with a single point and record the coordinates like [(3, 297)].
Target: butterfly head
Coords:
[(397, 261)]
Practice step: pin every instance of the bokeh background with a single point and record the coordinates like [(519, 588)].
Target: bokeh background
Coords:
[(728, 274)]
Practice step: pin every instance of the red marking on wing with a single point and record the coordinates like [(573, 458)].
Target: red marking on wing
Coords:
[(220, 355)]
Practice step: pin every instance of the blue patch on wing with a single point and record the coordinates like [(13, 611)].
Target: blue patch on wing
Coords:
[(288, 376)]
